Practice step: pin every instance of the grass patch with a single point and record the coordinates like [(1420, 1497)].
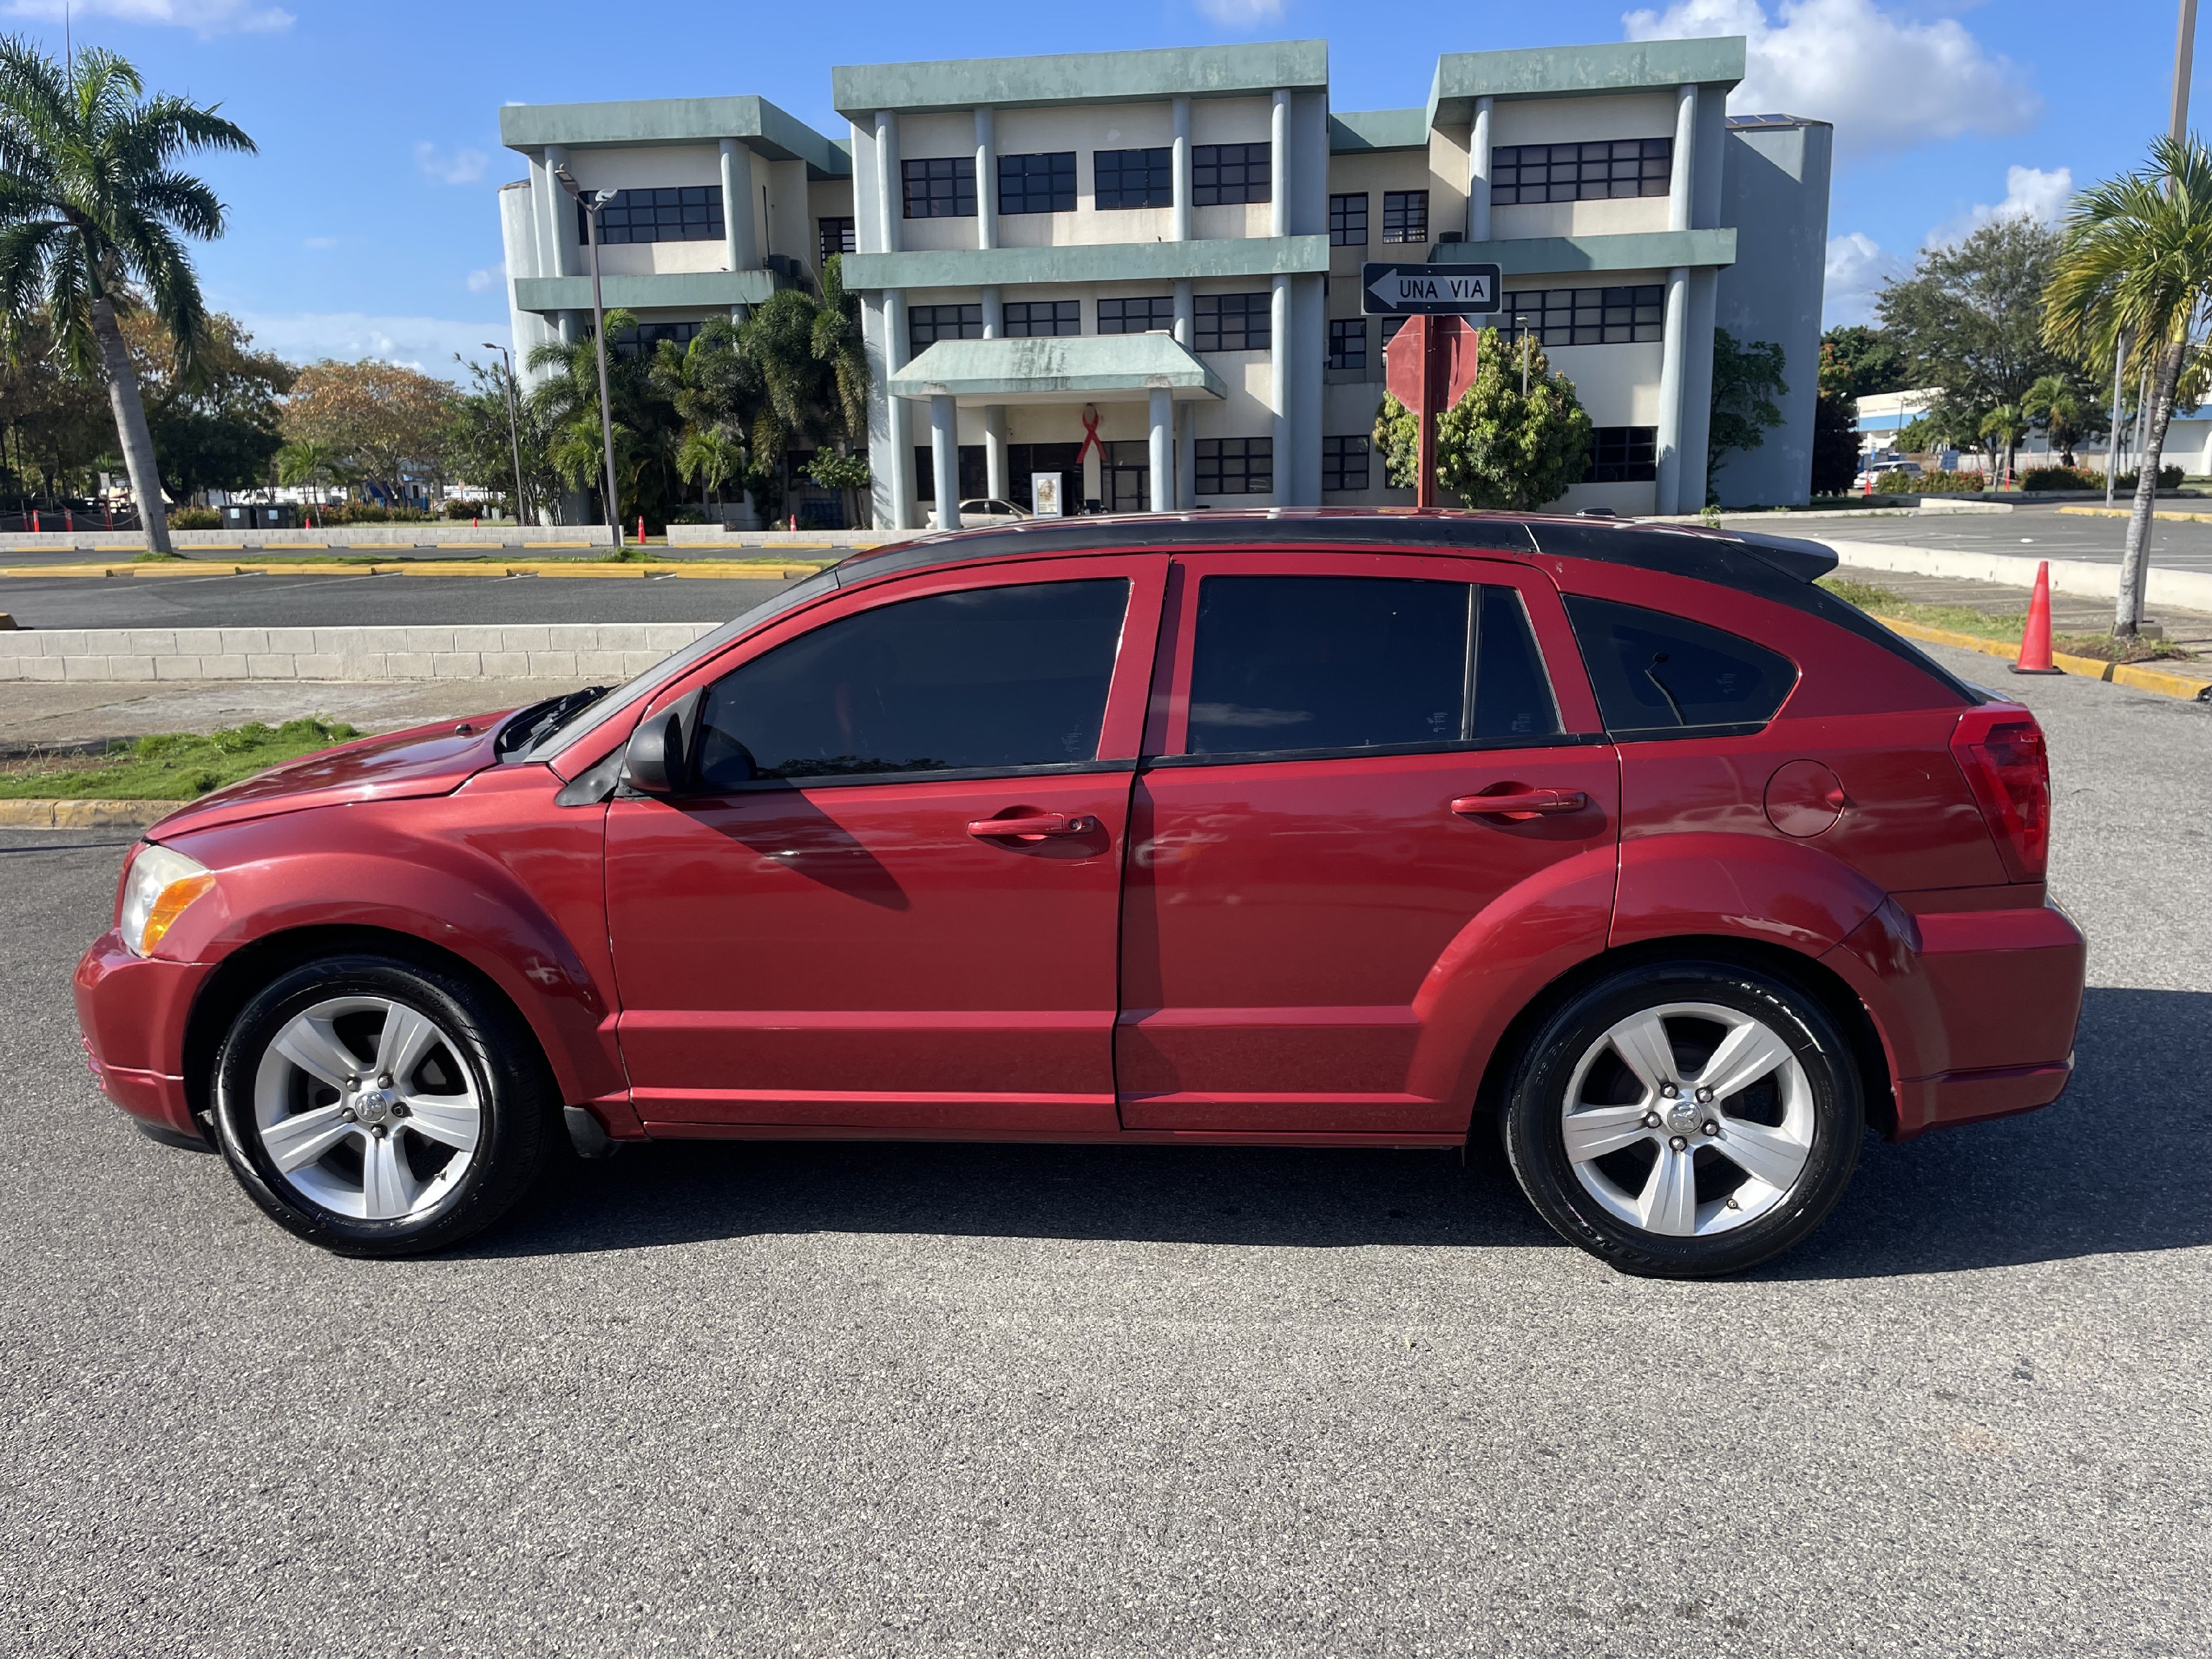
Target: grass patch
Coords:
[(1880, 601), (170, 765), (2105, 648), (156, 558)]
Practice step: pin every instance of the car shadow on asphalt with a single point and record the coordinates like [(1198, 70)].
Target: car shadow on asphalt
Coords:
[(2115, 1166)]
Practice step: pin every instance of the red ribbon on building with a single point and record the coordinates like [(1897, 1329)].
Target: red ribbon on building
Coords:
[(1091, 436)]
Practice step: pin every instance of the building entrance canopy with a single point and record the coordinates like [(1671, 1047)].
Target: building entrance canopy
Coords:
[(1099, 368)]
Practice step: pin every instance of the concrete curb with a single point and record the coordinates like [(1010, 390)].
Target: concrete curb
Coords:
[(2129, 513), (2190, 590), (445, 533), (2136, 675), (545, 651), (85, 814)]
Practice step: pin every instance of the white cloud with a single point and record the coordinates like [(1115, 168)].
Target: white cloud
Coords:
[(2030, 193), (481, 279), (1887, 83), (463, 167), (425, 342), (203, 17), (1857, 266), (1242, 14)]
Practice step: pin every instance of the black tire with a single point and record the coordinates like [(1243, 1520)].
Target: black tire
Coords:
[(515, 1131), (1536, 1136)]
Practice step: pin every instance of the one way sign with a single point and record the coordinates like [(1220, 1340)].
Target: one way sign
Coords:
[(1428, 290)]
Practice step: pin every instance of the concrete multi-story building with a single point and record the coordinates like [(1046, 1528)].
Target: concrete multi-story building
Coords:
[(1138, 270)]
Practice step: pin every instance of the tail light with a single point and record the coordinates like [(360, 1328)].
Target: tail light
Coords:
[(2000, 749)]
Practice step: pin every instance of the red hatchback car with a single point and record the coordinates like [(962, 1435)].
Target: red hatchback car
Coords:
[(1317, 828)]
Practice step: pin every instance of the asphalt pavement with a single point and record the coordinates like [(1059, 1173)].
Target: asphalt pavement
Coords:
[(2026, 533), (886, 1400)]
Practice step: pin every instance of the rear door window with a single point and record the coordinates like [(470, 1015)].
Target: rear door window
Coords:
[(1289, 664), (1660, 676)]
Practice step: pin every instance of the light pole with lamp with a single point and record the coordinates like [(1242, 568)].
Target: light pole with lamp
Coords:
[(513, 427), (593, 202), (1521, 326)]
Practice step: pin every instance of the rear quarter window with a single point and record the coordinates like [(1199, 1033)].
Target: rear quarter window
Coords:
[(1658, 676)]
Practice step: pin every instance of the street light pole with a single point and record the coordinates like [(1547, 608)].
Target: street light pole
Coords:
[(513, 425), (593, 203)]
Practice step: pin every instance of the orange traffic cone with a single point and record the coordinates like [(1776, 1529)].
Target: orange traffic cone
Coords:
[(2035, 641)]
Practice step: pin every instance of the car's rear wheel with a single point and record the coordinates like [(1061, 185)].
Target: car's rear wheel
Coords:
[(381, 1108), (1684, 1120)]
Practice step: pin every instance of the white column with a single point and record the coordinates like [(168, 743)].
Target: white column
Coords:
[(889, 203), (1685, 145), (1186, 460), (1186, 321), (901, 415), (1179, 215), (1477, 174), (994, 313), (1278, 158), (567, 251), (1163, 436), (546, 199), (1671, 388), (1279, 377), (987, 182), (944, 459), (995, 452), (738, 205)]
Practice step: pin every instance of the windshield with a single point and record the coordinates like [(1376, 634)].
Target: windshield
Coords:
[(599, 706)]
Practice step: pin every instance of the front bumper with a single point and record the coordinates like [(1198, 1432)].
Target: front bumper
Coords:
[(132, 1011)]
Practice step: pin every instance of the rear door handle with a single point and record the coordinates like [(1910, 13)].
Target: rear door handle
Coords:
[(1521, 804), (1031, 824)]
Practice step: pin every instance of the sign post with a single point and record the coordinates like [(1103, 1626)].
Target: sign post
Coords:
[(1431, 364)]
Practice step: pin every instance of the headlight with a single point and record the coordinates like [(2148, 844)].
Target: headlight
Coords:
[(161, 883)]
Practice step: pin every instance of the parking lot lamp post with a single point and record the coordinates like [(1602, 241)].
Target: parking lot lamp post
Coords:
[(1520, 323), (514, 426), (594, 203)]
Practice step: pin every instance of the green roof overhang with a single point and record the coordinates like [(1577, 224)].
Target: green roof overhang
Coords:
[(773, 134), (1636, 250), (669, 290), (1102, 368), (1088, 262), (1564, 71), (1085, 77)]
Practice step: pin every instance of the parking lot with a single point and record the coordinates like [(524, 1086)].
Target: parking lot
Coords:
[(891, 1400), (2026, 533)]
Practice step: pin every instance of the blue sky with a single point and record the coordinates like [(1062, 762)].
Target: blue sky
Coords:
[(366, 226)]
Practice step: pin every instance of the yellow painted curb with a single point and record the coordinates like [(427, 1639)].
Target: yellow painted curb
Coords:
[(433, 567), (2129, 513), (2136, 675), (85, 814)]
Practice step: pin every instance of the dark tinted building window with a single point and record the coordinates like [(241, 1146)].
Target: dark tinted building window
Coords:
[(1137, 316), (1344, 463), (1000, 677), (836, 238), (1354, 662), (974, 471), (1348, 343), (1133, 178), (1623, 454), (642, 340), (940, 187), (1037, 184), (1234, 467), (1520, 173), (690, 213), (1587, 316), (927, 325), (1657, 675), (1226, 173), (1233, 322), (1348, 220), (1405, 216), (1028, 318)]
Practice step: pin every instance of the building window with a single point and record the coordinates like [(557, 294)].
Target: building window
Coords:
[(1405, 216), (690, 213), (1133, 178), (1623, 454), (1223, 174), (1137, 316), (1348, 343), (940, 187), (1587, 316), (1233, 322), (1390, 327), (1348, 220), (927, 325), (640, 341), (836, 238), (1344, 463), (1026, 319), (1037, 184), (1235, 466), (1521, 173), (975, 472)]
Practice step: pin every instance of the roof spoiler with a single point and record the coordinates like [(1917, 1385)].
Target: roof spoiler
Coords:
[(1794, 557)]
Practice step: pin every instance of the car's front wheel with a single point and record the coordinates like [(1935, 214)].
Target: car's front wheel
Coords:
[(1684, 1120), (381, 1108)]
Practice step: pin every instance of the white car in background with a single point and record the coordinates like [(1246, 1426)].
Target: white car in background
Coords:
[(990, 511), (1867, 479)]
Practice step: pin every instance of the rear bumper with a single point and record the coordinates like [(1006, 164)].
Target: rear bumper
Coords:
[(1976, 1008), (132, 1011)]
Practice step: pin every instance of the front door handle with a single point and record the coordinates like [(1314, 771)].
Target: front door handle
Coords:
[(1521, 805), (1031, 824)]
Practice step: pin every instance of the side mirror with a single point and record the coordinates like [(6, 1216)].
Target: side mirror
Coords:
[(657, 759)]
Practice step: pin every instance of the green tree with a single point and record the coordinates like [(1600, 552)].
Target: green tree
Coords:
[(2004, 427), (1747, 380), (1863, 360), (92, 211), (713, 389), (647, 434), (1969, 320), (217, 424), (813, 377), (1497, 446), (2135, 267), (477, 444), (386, 421), (2056, 405), (1835, 419)]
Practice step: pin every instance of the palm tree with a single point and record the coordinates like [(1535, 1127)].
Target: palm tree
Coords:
[(305, 461), (813, 371), (2137, 260), (2004, 426), (568, 400), (91, 212), (714, 391), (2054, 404)]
